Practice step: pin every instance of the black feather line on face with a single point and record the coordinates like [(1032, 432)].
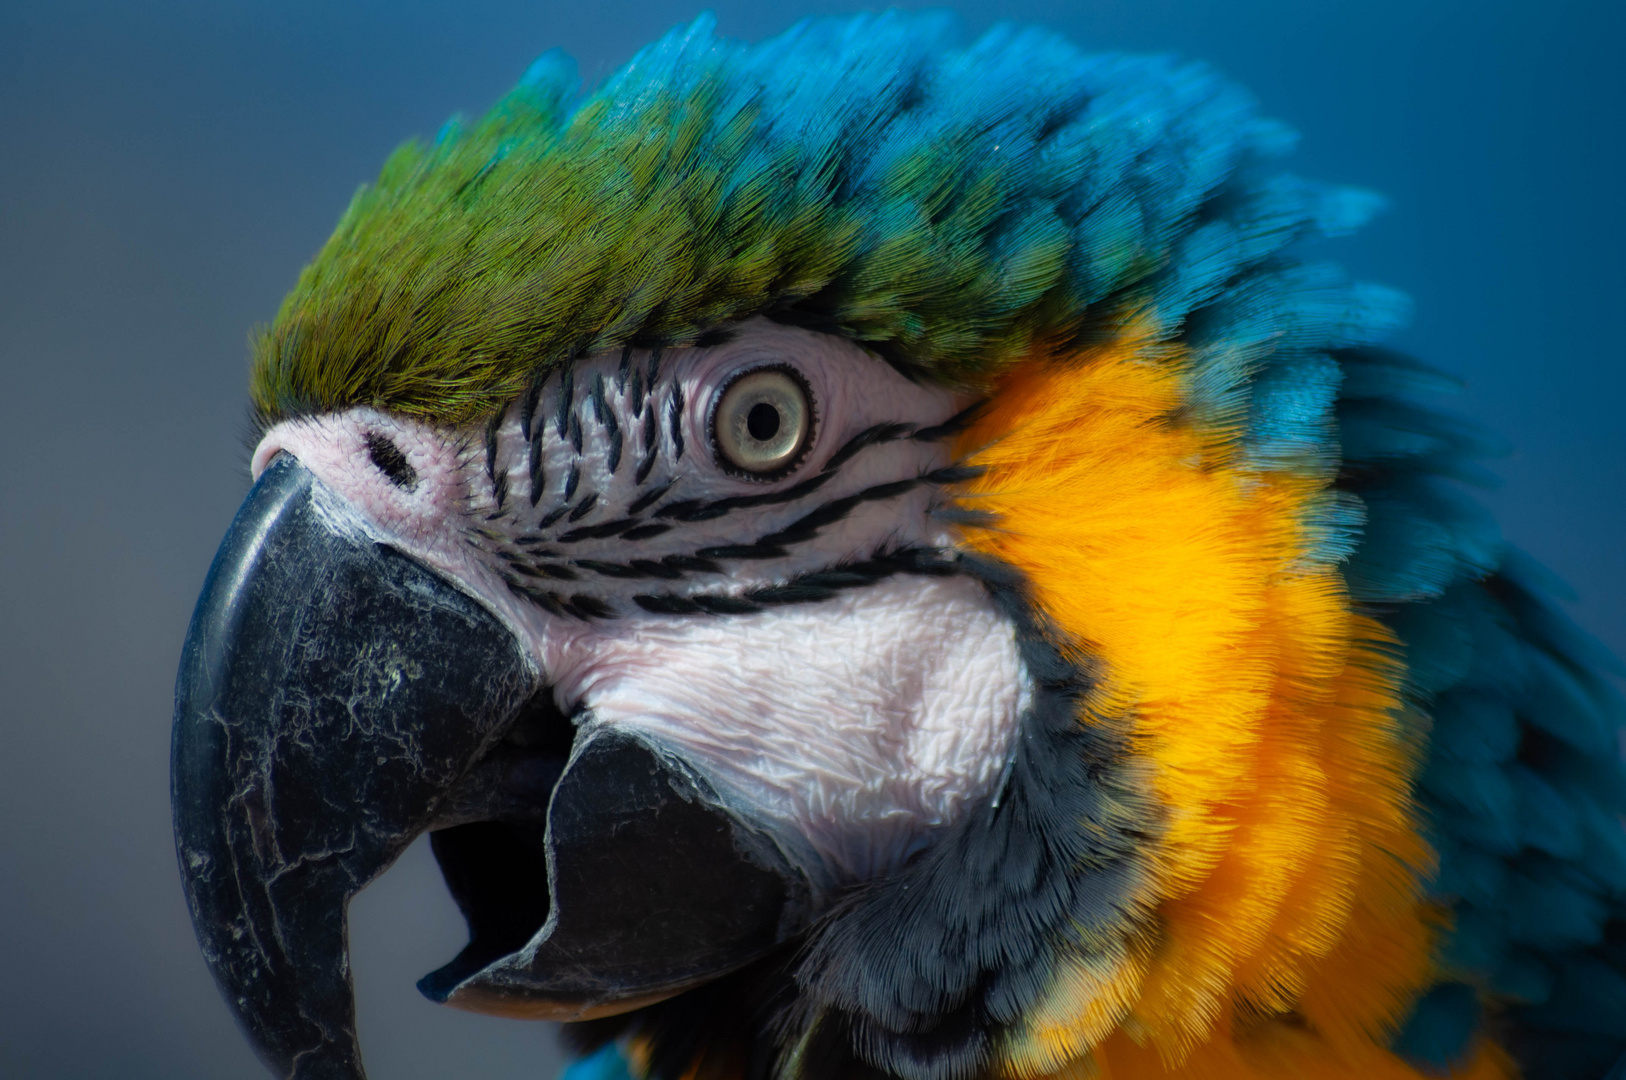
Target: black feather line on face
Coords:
[(567, 398), (624, 369), (953, 425), (613, 432), (636, 395), (654, 374), (499, 493), (492, 427), (921, 975), (810, 587), (646, 466), (650, 497), (535, 466), (822, 585), (674, 421), (527, 408), (584, 507)]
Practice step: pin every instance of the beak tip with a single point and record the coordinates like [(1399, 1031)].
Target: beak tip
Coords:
[(441, 985), (281, 813)]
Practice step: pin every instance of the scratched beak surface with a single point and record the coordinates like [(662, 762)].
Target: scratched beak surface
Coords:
[(335, 700), (331, 693)]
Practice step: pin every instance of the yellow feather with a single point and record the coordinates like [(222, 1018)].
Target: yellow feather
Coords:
[(1288, 936)]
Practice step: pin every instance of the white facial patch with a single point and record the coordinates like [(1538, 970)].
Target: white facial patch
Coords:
[(803, 640)]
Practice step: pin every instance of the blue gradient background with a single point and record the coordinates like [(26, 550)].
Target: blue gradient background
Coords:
[(166, 168)]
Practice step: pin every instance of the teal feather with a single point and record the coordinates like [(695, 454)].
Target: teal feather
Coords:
[(1548, 909), (1443, 1021), (1477, 943), (605, 1063), (1470, 873), (1524, 786), (1547, 821), (1473, 727), (1588, 998), (1523, 976), (1483, 791)]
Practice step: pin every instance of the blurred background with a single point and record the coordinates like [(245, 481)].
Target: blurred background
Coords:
[(166, 167)]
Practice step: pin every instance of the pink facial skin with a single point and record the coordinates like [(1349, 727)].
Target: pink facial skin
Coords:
[(849, 728)]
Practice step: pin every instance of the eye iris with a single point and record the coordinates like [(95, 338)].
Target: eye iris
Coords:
[(762, 421)]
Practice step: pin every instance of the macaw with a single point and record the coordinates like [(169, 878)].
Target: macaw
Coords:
[(872, 558)]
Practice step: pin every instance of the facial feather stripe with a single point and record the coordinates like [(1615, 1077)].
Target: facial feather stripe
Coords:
[(864, 687), (573, 523)]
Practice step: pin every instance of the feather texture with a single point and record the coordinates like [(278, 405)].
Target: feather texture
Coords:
[(1354, 784), (953, 210), (1524, 791)]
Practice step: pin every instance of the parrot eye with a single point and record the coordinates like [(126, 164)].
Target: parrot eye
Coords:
[(762, 422)]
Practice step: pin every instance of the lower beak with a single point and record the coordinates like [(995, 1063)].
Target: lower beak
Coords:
[(335, 700)]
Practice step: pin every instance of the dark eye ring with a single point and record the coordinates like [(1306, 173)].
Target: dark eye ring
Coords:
[(762, 422)]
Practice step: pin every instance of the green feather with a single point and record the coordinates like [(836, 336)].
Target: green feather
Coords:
[(951, 210)]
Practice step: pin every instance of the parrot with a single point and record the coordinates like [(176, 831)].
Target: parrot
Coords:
[(878, 558)]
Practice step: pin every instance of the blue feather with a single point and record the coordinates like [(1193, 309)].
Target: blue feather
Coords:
[(604, 1064), (1549, 911), (1523, 977), (1524, 786), (1477, 944), (1441, 1027), (1473, 726), (1547, 821), (1588, 998)]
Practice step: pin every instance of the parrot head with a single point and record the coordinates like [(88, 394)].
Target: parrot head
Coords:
[(669, 653), (844, 546)]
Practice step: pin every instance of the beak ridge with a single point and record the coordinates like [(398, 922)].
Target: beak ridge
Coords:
[(335, 700), (331, 692)]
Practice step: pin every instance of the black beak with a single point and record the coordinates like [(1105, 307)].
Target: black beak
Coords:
[(335, 700)]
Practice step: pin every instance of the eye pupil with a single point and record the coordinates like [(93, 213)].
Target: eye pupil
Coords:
[(762, 421)]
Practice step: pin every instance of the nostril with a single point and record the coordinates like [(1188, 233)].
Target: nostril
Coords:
[(390, 461)]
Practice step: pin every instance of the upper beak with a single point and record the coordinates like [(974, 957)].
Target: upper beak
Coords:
[(335, 700)]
